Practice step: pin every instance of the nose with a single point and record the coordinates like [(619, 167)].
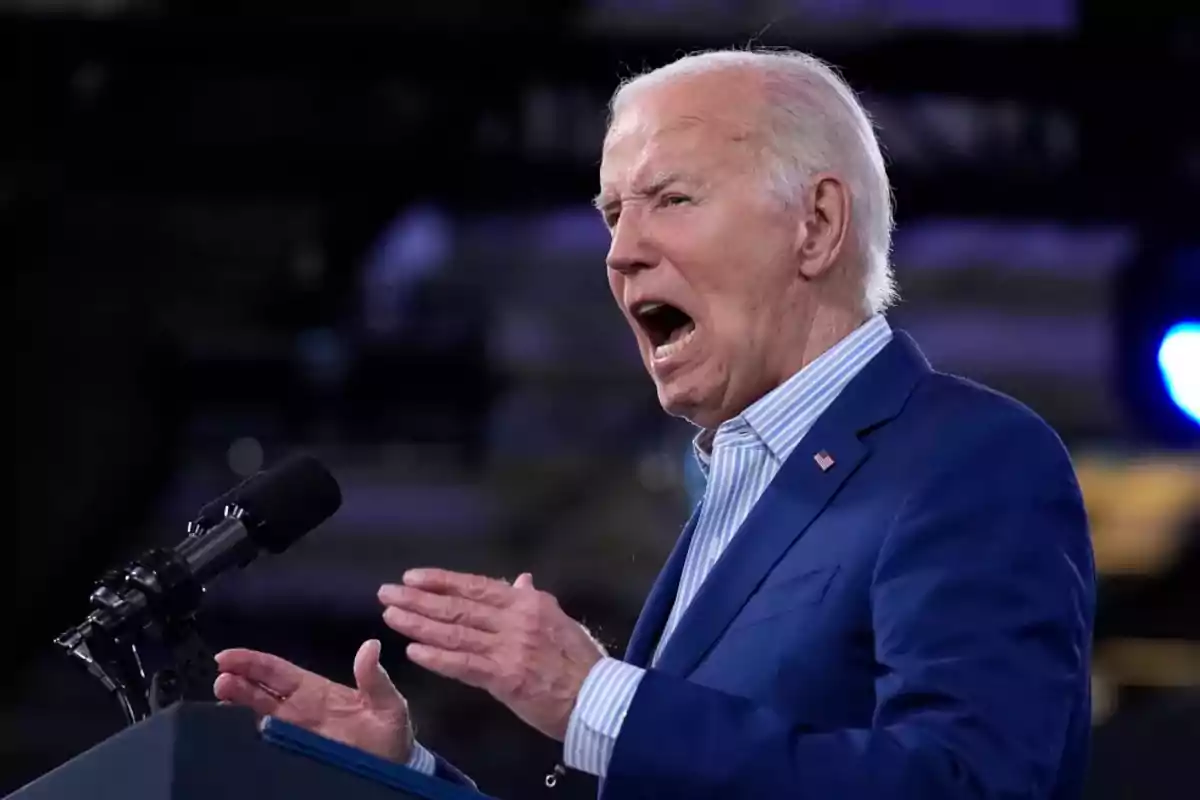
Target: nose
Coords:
[(629, 251)]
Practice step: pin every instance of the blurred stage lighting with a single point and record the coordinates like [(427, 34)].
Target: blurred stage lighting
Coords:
[(1179, 362), (1158, 299)]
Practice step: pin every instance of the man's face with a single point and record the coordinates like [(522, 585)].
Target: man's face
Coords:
[(702, 259)]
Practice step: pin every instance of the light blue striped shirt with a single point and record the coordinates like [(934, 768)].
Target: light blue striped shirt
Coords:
[(746, 453)]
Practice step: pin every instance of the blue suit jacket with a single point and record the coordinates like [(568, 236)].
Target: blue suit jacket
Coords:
[(914, 622)]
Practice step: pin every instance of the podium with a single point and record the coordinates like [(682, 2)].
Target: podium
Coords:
[(205, 751)]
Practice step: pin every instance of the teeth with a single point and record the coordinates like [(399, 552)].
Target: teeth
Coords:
[(648, 308), (673, 346)]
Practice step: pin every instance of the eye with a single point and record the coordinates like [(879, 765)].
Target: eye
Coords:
[(673, 199)]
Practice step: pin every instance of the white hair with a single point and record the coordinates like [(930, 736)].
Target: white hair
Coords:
[(814, 123)]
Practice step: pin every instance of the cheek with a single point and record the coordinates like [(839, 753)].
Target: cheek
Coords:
[(732, 329), (763, 288), (734, 265), (744, 320)]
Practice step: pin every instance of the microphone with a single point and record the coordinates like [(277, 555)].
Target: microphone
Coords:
[(270, 511), (162, 589)]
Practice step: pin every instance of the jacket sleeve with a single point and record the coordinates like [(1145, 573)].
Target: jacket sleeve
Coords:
[(448, 772)]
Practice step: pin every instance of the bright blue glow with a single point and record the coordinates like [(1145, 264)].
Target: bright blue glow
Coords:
[(1179, 361)]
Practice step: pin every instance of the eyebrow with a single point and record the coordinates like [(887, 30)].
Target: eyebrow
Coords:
[(661, 181)]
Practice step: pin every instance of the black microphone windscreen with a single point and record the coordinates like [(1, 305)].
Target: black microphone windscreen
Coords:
[(287, 501)]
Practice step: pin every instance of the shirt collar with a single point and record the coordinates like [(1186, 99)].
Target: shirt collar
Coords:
[(781, 418)]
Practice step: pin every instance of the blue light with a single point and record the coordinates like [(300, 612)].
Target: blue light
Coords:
[(1179, 361)]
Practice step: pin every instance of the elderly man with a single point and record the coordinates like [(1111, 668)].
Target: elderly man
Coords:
[(887, 590)]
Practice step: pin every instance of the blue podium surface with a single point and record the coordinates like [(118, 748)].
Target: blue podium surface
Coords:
[(205, 751)]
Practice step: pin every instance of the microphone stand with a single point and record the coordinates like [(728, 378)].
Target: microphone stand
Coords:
[(141, 640)]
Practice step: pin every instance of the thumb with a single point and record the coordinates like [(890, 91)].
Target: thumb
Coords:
[(523, 581), (373, 680)]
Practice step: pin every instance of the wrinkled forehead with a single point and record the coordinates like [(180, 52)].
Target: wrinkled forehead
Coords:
[(649, 138), (636, 138)]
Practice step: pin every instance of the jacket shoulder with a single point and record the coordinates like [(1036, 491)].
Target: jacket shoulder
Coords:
[(969, 425)]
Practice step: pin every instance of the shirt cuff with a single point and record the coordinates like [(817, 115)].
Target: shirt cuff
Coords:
[(421, 760), (599, 711)]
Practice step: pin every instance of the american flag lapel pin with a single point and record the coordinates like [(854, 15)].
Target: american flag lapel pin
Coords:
[(824, 460)]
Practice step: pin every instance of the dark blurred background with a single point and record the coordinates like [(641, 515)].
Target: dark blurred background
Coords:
[(362, 229)]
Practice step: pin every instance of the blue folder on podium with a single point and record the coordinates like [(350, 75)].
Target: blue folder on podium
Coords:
[(203, 751)]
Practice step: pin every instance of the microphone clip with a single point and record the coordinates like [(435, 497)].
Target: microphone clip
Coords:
[(140, 639)]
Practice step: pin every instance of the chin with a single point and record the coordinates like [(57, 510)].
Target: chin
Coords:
[(688, 402)]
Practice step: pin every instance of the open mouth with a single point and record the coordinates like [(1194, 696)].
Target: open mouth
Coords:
[(668, 327)]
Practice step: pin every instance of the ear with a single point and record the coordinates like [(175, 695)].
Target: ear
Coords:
[(824, 226)]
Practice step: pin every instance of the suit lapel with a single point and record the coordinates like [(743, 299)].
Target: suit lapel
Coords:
[(794, 499), (658, 605)]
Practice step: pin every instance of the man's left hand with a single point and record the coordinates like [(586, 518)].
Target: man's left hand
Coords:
[(513, 641)]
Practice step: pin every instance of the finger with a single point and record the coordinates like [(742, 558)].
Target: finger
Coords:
[(523, 581), (443, 608), (278, 676), (471, 669), (230, 688), (473, 587), (440, 634), (372, 679)]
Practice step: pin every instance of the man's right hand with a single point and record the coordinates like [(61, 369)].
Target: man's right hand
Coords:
[(373, 717)]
